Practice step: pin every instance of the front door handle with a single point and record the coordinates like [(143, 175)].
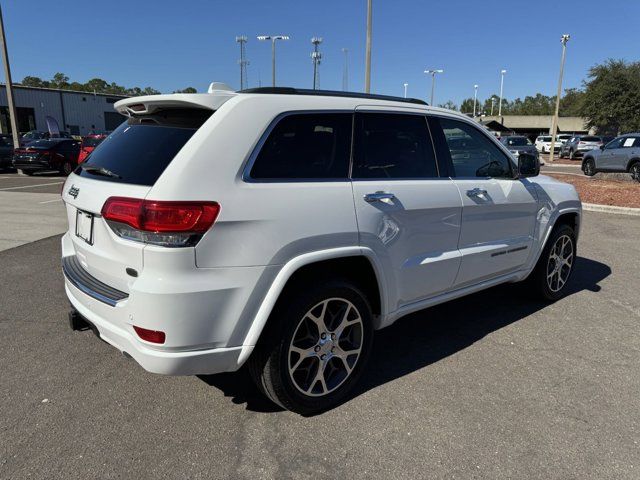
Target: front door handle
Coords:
[(378, 197), (477, 192)]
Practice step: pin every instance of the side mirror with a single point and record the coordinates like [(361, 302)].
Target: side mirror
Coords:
[(528, 165)]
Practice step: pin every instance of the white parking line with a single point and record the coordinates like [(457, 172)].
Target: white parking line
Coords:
[(31, 186), (51, 201)]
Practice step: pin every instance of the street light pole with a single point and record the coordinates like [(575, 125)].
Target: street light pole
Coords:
[(243, 62), (316, 56), (502, 72), (493, 102), (433, 81), (367, 61), (273, 39), (554, 124), (405, 89), (475, 99), (9, 86), (345, 71)]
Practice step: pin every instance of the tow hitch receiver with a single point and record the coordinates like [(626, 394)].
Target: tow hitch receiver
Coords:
[(77, 321)]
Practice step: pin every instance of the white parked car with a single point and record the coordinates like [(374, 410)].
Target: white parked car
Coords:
[(282, 227), (543, 144)]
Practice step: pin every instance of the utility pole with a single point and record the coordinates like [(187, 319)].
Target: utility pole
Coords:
[(316, 56), (554, 124), (367, 61), (433, 81), (243, 62), (493, 102), (9, 85), (502, 72), (273, 39), (345, 70), (405, 89), (475, 99)]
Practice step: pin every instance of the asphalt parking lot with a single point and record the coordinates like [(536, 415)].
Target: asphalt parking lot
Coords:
[(491, 386)]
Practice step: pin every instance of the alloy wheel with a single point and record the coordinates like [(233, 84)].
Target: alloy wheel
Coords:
[(325, 347), (635, 171), (560, 263)]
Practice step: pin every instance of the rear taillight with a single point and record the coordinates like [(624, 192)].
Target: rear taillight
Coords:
[(152, 336), (169, 224), (580, 143)]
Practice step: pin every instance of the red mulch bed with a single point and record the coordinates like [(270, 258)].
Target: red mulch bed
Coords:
[(603, 192)]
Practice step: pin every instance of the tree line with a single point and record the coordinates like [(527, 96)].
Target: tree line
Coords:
[(609, 99), (97, 85)]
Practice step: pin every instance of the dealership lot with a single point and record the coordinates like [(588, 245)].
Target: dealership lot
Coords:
[(490, 386)]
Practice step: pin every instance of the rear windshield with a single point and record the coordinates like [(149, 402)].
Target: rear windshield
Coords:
[(91, 141), (546, 139), (518, 141), (589, 139), (140, 149), (43, 144)]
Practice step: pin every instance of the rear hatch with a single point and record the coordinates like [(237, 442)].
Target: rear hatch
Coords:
[(589, 143), (126, 164)]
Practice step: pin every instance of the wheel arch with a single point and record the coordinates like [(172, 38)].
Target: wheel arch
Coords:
[(631, 162), (357, 263)]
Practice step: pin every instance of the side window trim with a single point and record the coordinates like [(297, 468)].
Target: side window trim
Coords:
[(255, 151), (424, 115), (499, 145)]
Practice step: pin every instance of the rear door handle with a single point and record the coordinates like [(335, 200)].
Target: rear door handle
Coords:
[(378, 197), (477, 192)]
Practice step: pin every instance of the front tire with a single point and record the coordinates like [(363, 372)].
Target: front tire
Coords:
[(589, 167), (555, 265), (315, 348)]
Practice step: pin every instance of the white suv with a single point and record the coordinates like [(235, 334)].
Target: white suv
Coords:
[(281, 227)]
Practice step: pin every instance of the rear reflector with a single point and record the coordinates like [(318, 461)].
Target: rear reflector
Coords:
[(171, 224), (152, 336)]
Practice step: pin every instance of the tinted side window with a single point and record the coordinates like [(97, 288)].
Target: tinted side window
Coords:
[(617, 143), (390, 145), (472, 153), (306, 146)]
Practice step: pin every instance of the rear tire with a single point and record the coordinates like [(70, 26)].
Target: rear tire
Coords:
[(67, 168), (589, 167), (315, 346), (555, 265), (634, 170)]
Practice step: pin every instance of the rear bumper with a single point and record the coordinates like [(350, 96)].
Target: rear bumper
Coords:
[(35, 165), (193, 362), (205, 313)]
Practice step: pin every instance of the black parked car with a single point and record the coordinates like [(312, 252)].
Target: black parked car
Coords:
[(6, 151), (59, 154)]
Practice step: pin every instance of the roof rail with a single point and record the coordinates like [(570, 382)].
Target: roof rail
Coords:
[(329, 93)]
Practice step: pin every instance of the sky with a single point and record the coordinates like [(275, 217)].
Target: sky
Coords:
[(168, 44)]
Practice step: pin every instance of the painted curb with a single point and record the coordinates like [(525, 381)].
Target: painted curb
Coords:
[(594, 207)]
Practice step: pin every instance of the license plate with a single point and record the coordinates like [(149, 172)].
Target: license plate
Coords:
[(84, 226)]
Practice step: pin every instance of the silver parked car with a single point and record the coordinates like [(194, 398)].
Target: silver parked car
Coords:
[(579, 145), (621, 154)]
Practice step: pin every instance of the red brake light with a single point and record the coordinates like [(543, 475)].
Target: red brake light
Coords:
[(160, 222), (153, 336)]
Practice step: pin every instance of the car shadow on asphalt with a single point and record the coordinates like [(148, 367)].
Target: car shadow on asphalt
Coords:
[(427, 336)]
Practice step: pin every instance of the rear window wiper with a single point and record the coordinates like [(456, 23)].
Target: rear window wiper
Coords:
[(99, 171)]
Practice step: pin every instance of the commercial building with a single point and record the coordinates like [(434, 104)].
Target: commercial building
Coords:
[(78, 113), (534, 125)]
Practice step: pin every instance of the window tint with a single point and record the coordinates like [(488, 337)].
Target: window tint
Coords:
[(589, 139), (617, 143), (390, 145), (140, 149), (473, 154), (306, 146)]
